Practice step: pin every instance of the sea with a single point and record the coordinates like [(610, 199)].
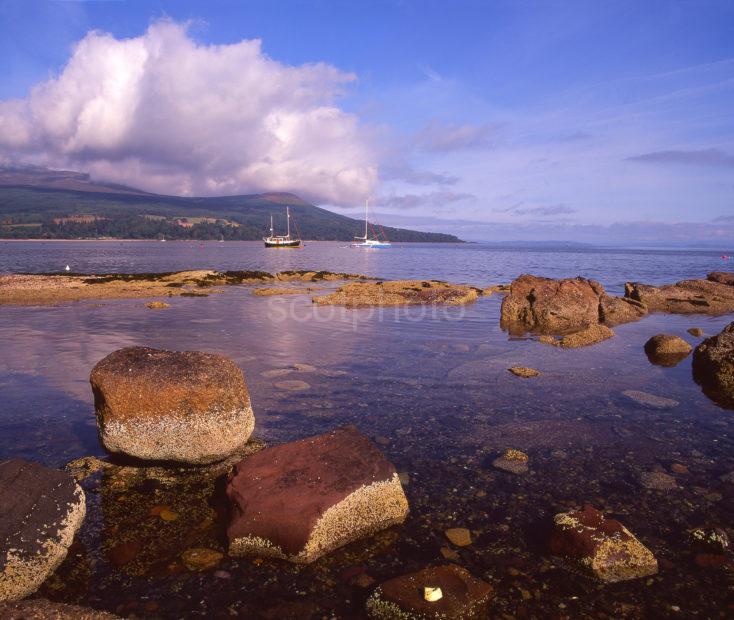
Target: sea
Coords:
[(429, 385)]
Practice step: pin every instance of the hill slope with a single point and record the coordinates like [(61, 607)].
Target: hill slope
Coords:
[(40, 203)]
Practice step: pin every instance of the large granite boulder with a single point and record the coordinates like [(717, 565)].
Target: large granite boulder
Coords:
[(548, 306), (600, 546), (41, 510), (666, 350), (43, 609), (713, 366), (300, 500), (685, 297), (460, 596), (188, 406)]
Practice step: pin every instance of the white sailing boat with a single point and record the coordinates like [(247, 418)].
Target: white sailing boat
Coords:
[(367, 242), (282, 241)]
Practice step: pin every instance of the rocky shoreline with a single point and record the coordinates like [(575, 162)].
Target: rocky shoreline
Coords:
[(303, 500)]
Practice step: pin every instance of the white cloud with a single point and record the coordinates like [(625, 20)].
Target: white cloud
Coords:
[(166, 114)]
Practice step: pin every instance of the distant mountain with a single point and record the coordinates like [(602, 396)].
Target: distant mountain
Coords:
[(49, 204)]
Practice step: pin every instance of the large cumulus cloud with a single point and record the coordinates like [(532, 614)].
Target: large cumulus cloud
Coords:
[(169, 115)]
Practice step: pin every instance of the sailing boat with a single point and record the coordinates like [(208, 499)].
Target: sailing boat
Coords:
[(365, 241), (282, 241)]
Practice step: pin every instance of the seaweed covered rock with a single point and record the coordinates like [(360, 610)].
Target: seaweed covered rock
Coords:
[(685, 297), (300, 500), (603, 547), (666, 350), (548, 306), (399, 293), (713, 366), (41, 510), (188, 406), (443, 592)]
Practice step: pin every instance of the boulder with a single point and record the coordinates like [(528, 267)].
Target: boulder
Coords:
[(548, 306), (713, 366), (457, 595), (603, 547), (301, 500), (551, 306), (43, 609), (188, 406), (697, 332), (666, 350), (686, 297), (723, 277), (41, 510)]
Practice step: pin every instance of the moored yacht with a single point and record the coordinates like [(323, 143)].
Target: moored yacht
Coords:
[(370, 242), (282, 241)]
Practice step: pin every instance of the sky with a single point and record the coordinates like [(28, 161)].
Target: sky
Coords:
[(494, 120)]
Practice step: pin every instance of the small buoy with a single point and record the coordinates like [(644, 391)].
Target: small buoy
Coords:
[(67, 268), (432, 594)]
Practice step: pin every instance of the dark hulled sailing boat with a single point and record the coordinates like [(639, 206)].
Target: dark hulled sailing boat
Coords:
[(282, 241)]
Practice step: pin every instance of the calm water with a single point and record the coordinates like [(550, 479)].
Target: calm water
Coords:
[(430, 385)]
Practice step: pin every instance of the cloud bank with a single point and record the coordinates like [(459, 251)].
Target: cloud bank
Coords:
[(169, 115)]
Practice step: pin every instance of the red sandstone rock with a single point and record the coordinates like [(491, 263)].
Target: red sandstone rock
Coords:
[(686, 297), (666, 350), (713, 366), (549, 306), (601, 546), (301, 500), (402, 598), (41, 510), (185, 406), (724, 277)]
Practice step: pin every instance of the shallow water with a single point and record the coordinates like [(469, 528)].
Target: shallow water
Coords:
[(430, 385)]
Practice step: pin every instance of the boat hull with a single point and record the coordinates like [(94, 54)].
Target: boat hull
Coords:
[(295, 243)]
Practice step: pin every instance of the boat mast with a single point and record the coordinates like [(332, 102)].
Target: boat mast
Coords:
[(288, 219), (366, 208)]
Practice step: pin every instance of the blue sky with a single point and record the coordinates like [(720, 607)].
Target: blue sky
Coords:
[(564, 120)]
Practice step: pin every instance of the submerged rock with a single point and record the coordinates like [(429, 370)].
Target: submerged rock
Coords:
[(463, 596), (522, 371), (548, 306), (42, 609), (301, 500), (188, 406), (650, 400), (686, 297), (41, 510), (658, 481), (157, 305), (713, 366), (666, 350), (399, 293), (695, 331), (201, 558), (459, 536), (513, 461), (601, 546)]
